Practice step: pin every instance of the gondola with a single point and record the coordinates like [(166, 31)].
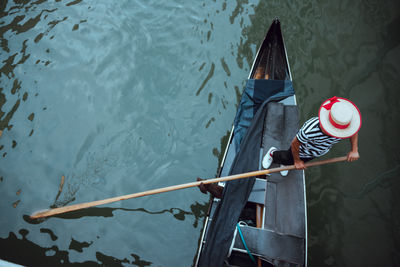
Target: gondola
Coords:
[(259, 221)]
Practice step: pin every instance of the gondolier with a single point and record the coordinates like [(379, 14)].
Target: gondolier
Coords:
[(338, 119)]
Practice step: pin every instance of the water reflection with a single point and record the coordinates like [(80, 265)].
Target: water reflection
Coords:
[(73, 78), (209, 76), (51, 234), (18, 24), (34, 255), (79, 246), (51, 255), (219, 152)]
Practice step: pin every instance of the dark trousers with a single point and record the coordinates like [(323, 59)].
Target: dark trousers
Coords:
[(285, 157)]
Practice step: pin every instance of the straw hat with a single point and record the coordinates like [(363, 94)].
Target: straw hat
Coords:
[(339, 117)]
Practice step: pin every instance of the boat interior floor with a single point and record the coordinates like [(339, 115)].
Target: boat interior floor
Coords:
[(281, 240)]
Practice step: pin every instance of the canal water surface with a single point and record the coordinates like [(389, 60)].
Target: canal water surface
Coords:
[(106, 98)]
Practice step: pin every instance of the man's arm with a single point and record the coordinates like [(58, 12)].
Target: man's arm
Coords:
[(353, 154), (298, 163)]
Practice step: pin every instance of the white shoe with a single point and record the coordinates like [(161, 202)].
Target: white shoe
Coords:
[(284, 173), (267, 160)]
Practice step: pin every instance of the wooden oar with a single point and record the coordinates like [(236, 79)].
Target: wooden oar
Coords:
[(51, 212)]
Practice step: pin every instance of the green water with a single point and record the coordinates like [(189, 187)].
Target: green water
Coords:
[(125, 96)]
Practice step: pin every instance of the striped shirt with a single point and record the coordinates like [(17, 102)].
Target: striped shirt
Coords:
[(314, 143)]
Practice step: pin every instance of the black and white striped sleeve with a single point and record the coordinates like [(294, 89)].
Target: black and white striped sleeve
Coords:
[(303, 135)]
